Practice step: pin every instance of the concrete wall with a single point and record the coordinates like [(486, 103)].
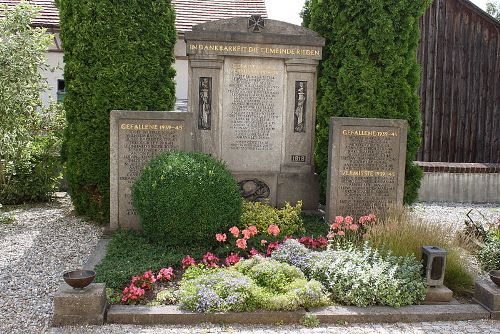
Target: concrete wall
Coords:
[(460, 187), (54, 58)]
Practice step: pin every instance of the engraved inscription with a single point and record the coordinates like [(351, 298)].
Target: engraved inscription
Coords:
[(368, 169), (299, 124), (139, 141), (205, 110), (253, 114), (298, 158)]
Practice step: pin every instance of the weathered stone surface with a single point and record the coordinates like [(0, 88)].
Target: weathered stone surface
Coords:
[(253, 96), (487, 294), (438, 294), (151, 315), (366, 165), (135, 138), (79, 306)]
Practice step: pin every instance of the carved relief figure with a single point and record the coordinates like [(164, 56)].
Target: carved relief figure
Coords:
[(299, 124), (205, 111), (254, 190)]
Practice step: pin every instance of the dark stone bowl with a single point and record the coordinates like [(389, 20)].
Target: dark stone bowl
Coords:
[(495, 276), (78, 279)]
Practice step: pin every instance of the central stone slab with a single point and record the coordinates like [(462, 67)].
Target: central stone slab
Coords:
[(252, 87)]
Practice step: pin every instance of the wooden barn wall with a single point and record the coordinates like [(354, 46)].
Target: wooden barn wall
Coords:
[(459, 55)]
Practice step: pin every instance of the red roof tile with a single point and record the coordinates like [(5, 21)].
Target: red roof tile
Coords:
[(189, 12)]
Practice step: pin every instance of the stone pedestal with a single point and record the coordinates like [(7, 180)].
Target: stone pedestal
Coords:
[(438, 295), (487, 294), (79, 306)]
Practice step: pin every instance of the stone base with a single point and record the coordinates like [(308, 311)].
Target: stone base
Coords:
[(438, 295), (79, 306), (487, 294)]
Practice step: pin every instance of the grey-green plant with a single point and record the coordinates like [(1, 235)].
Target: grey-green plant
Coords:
[(30, 133), (309, 320), (493, 8)]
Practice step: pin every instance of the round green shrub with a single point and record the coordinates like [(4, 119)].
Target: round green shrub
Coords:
[(185, 198)]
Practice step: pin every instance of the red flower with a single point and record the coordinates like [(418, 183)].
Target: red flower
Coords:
[(165, 274), (254, 252), (187, 262), (271, 247), (210, 260), (232, 259)]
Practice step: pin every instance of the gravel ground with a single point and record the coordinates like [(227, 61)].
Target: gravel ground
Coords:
[(41, 244), (44, 241)]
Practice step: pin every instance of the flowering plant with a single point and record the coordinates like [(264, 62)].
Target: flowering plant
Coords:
[(344, 230)]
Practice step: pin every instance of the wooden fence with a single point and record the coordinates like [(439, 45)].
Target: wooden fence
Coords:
[(460, 89)]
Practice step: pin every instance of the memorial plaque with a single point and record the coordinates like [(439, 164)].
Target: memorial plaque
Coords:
[(366, 165), (135, 138), (252, 125), (259, 104)]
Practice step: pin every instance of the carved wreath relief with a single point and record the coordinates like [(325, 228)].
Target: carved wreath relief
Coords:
[(299, 124), (205, 110), (254, 190), (256, 23)]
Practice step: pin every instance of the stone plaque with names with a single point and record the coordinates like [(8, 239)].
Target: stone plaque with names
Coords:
[(366, 165), (135, 138)]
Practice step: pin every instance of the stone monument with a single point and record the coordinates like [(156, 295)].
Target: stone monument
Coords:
[(366, 165), (135, 138), (252, 87)]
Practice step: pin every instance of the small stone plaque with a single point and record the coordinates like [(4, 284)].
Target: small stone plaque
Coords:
[(366, 165), (135, 138)]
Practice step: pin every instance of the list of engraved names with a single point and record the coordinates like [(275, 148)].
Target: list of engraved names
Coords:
[(253, 118), (139, 142), (368, 169)]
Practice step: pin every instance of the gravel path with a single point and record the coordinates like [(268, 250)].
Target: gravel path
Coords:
[(41, 244), (46, 240)]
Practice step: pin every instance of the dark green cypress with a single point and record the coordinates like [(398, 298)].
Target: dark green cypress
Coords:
[(118, 55), (369, 69)]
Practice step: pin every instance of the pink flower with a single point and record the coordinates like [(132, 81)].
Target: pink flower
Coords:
[(253, 252), (354, 227), (247, 234), (263, 242), (363, 219), (132, 293), (165, 274), (273, 229), (241, 243), (232, 259), (339, 219), (253, 229), (210, 260), (271, 247), (335, 226), (235, 231), (341, 233), (188, 261), (221, 237), (372, 217), (331, 235), (348, 220)]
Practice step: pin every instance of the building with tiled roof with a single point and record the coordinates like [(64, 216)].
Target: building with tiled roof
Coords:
[(188, 14)]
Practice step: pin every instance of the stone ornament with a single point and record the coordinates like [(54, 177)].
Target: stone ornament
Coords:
[(205, 111), (299, 124), (256, 23)]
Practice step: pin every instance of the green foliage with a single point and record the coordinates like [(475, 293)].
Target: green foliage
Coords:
[(185, 198), (219, 291), (314, 226), (282, 286), (369, 69), (493, 8), (489, 255), (164, 297), (401, 234), (30, 134), (129, 253), (262, 215), (117, 56), (196, 271), (309, 320)]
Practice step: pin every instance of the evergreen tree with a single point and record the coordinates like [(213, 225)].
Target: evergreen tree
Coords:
[(118, 55), (369, 69)]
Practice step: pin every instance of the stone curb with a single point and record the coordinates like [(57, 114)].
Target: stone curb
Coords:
[(152, 315)]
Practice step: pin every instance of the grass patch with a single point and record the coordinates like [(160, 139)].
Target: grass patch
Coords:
[(130, 254), (403, 235)]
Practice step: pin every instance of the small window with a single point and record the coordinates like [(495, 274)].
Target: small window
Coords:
[(61, 90)]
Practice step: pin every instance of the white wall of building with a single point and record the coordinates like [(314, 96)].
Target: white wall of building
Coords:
[(54, 59)]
